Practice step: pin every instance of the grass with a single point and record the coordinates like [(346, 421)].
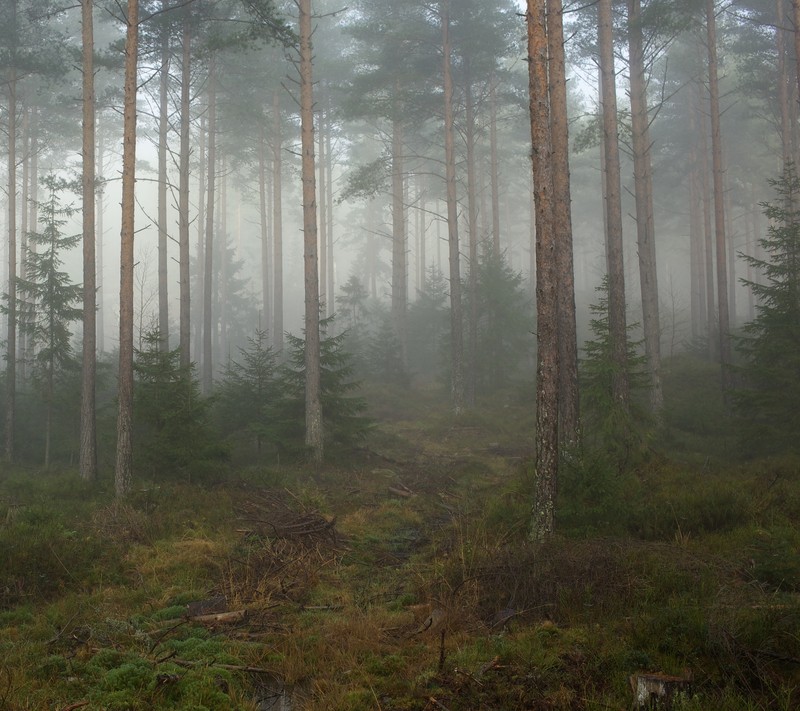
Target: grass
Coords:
[(688, 559)]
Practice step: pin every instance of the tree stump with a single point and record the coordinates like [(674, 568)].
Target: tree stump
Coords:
[(659, 691)]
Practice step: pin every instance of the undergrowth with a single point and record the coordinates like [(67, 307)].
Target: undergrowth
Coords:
[(403, 578)]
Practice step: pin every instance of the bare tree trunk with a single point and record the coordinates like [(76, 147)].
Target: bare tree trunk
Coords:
[(163, 124), (456, 319), (399, 230), (696, 253), (547, 379), (11, 337), (323, 218), (266, 301), (314, 432), (23, 246), (33, 217), (643, 192), (99, 234), (472, 228), (331, 299), (184, 327), (568, 405), (124, 468), (495, 169), (277, 225), (796, 35), (208, 279), (616, 266), (88, 447), (783, 85), (201, 238), (719, 196)]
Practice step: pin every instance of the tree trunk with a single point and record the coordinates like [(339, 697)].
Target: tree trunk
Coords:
[(399, 268), (11, 337), (277, 225), (184, 327), (495, 169), (314, 433), (88, 446), (616, 266), (331, 298), (796, 35), (202, 167), (696, 252), (163, 125), (568, 407), (783, 85), (643, 193), (23, 246), (472, 227), (124, 467), (456, 319), (208, 249), (323, 218), (99, 234), (266, 302), (719, 196), (547, 380)]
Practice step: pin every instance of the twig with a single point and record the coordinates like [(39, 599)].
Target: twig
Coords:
[(76, 705), (438, 703), (227, 667)]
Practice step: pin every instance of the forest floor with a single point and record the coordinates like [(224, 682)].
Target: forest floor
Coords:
[(402, 578)]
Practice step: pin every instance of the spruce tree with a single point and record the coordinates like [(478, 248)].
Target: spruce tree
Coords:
[(769, 390), (55, 297)]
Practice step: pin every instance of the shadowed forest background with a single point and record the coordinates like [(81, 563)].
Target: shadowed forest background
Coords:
[(399, 355)]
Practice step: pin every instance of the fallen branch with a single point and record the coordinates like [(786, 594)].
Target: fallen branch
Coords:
[(76, 705), (219, 618), (227, 667)]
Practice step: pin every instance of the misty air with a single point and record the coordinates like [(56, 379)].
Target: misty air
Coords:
[(399, 355)]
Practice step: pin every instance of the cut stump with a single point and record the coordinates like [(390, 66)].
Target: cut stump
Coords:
[(659, 691)]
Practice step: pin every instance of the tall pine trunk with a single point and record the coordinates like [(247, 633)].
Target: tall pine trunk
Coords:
[(399, 229), (643, 194), (88, 429), (494, 167), (326, 308), (472, 228), (184, 326), (613, 200), (208, 247), (547, 381), (266, 300), (124, 465), (719, 196), (277, 225), (568, 406), (456, 318), (163, 125), (314, 432), (11, 334)]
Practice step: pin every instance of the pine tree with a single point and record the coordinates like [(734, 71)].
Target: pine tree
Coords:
[(766, 401)]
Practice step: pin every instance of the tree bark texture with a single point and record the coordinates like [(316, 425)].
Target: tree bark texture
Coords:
[(643, 194), (88, 427), (11, 333), (163, 125), (208, 248), (124, 464), (719, 196), (568, 405), (472, 228), (547, 381), (266, 294), (322, 218), (494, 166), (184, 327), (456, 328), (314, 433), (277, 225), (613, 201), (399, 234)]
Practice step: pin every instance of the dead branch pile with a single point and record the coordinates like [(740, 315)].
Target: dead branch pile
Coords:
[(269, 514)]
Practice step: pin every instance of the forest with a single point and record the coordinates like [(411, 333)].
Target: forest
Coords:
[(400, 354)]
